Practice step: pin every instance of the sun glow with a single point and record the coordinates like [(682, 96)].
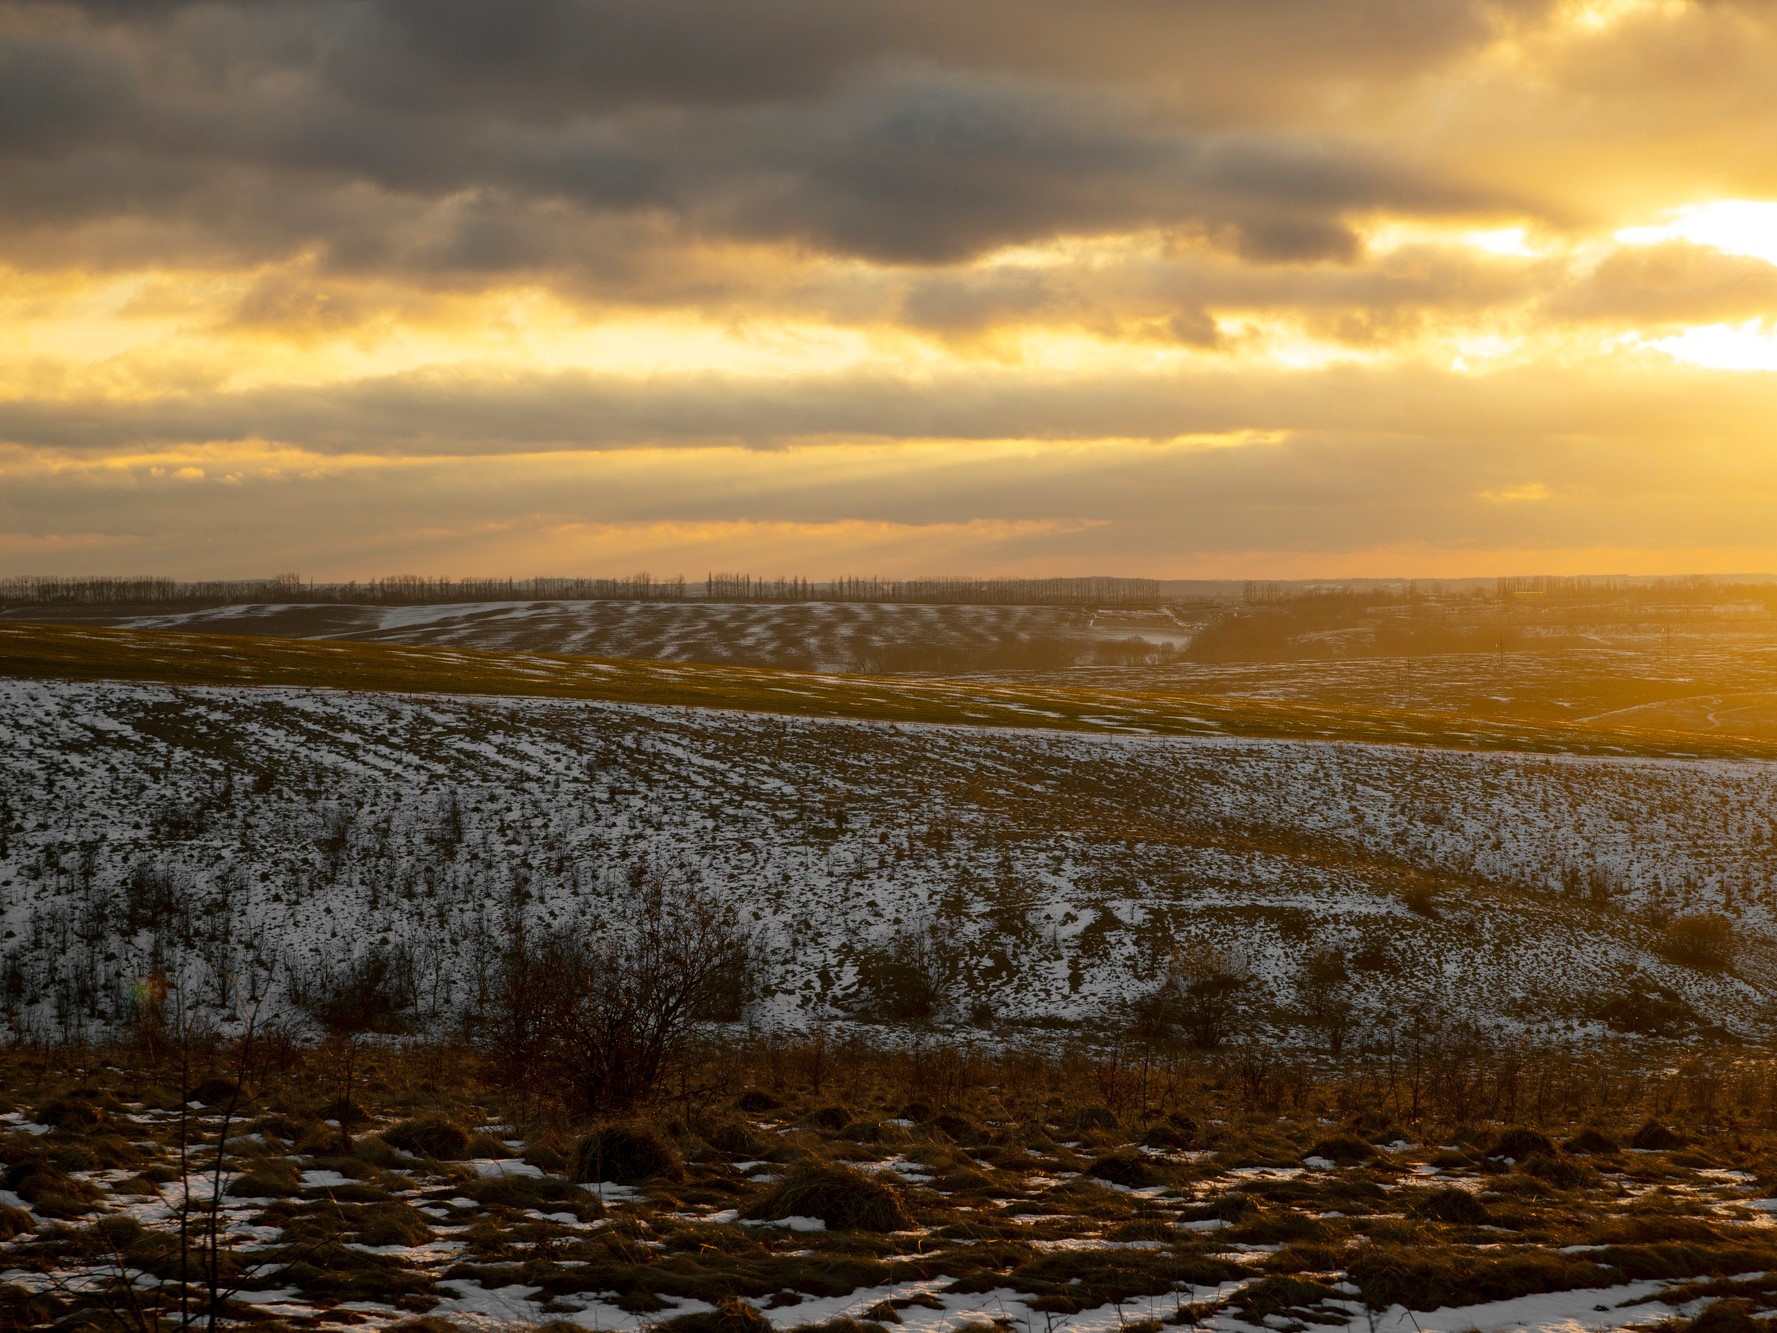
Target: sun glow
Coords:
[(1733, 226), (1502, 241), (1751, 345)]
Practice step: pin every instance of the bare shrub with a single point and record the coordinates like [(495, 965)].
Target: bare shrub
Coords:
[(1197, 1000), (1324, 989), (1421, 899), (1644, 1007), (906, 979), (595, 1013), (347, 999), (1700, 940)]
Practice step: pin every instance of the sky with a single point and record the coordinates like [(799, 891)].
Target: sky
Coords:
[(1173, 288)]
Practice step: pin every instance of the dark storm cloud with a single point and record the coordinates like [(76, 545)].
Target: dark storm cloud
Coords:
[(266, 129), (548, 57)]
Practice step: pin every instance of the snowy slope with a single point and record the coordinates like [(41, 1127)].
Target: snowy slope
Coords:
[(1063, 868), (820, 636)]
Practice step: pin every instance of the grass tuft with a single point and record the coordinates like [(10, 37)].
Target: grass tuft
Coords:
[(1655, 1137), (431, 1137), (1592, 1143), (626, 1155), (730, 1316), (1343, 1150), (844, 1198), (1522, 1144)]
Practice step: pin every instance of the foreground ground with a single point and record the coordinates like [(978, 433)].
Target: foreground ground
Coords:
[(935, 1189)]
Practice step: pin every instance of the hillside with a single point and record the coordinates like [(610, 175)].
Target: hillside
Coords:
[(808, 636), (1054, 872)]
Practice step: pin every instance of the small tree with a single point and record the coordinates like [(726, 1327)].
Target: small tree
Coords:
[(1324, 990)]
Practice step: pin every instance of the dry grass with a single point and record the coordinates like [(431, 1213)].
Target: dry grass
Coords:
[(1024, 1171)]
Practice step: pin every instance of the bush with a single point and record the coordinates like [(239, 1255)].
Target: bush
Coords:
[(429, 1137), (843, 1198), (372, 993), (1700, 940), (626, 1155), (1323, 988), (1646, 1010), (597, 1017), (1197, 1002), (907, 979), (1421, 899)]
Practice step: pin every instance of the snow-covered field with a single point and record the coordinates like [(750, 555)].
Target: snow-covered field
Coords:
[(199, 827), (817, 636)]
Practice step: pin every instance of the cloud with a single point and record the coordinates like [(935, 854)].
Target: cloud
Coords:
[(1317, 501), (1186, 278), (269, 129), (457, 413), (1670, 283), (548, 57)]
